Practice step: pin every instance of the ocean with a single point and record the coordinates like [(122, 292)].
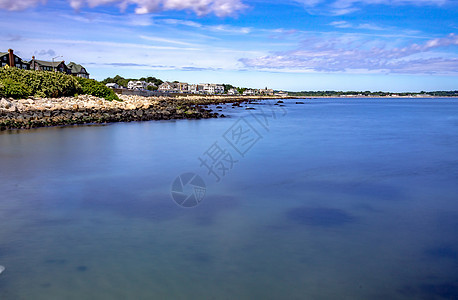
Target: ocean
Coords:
[(329, 199)]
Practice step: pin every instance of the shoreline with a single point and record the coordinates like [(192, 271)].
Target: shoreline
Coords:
[(86, 109)]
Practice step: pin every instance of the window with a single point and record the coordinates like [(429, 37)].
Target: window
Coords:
[(3, 64), (16, 59)]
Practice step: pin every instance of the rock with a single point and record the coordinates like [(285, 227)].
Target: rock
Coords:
[(2, 268), (13, 108), (299, 102), (5, 103)]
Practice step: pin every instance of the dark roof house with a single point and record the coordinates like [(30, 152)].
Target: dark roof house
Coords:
[(12, 60), (78, 70), (41, 65)]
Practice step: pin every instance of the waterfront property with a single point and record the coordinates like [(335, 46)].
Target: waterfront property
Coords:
[(77, 70), (12, 60), (42, 65)]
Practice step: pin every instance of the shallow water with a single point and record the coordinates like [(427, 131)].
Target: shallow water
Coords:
[(332, 199)]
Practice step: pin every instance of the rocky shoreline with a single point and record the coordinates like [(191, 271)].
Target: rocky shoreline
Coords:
[(85, 109)]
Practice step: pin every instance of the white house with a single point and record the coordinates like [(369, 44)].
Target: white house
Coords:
[(113, 85), (211, 88), (250, 92), (137, 85), (233, 92)]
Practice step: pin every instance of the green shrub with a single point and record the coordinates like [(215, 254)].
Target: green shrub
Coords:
[(95, 88), (38, 83), (17, 83), (14, 89)]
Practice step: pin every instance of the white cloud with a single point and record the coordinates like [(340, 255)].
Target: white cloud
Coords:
[(339, 55), (19, 4), (219, 8), (343, 7), (200, 7)]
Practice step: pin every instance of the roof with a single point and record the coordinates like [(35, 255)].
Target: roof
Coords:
[(76, 68), (48, 63), (6, 53)]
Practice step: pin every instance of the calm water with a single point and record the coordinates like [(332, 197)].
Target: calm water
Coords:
[(332, 199)]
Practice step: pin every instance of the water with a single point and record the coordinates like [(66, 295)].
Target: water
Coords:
[(338, 199)]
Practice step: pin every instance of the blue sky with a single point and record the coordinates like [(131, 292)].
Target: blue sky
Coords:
[(389, 45)]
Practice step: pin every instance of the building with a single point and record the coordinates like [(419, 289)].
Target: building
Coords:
[(211, 88), (165, 87), (250, 92), (281, 94), (137, 85), (266, 91), (183, 87), (77, 70), (41, 65), (113, 85), (233, 92), (172, 87), (12, 60)]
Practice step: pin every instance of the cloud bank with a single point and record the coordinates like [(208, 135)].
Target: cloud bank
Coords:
[(338, 55), (342, 7), (15, 5), (219, 8)]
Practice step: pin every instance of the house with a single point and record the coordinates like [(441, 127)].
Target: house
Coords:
[(137, 85), (113, 86), (183, 87), (193, 88), (77, 70), (266, 91), (12, 60), (41, 65), (165, 87), (250, 92), (233, 92), (281, 94), (211, 88), (169, 87)]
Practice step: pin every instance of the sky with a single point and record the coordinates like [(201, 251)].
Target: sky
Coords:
[(293, 45)]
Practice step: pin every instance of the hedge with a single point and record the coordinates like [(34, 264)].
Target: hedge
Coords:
[(17, 83)]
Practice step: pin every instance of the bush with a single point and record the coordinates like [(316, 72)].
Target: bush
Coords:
[(17, 83), (14, 89), (95, 88), (27, 83)]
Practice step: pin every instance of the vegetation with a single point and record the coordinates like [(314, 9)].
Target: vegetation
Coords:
[(17, 83), (95, 88), (121, 81)]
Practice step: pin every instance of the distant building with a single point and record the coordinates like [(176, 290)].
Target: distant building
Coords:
[(113, 85), (165, 87), (281, 94), (78, 70), (266, 91), (211, 88), (233, 92), (12, 60), (250, 92), (42, 65), (193, 88), (137, 85)]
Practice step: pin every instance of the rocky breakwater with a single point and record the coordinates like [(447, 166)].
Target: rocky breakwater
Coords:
[(40, 112)]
